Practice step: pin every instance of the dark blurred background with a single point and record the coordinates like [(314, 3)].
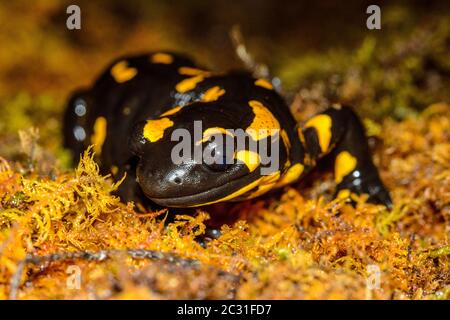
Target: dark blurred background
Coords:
[(32, 33)]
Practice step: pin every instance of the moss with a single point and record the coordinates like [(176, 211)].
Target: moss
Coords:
[(397, 75), (289, 246)]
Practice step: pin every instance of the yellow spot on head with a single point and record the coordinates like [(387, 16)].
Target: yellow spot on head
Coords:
[(263, 184), (263, 123), (264, 83), (99, 136), (189, 83), (291, 175), (250, 158), (345, 164), (189, 71), (212, 94), (235, 194), (272, 178), (171, 111), (163, 58), (154, 129), (121, 72), (213, 131), (266, 184), (322, 124)]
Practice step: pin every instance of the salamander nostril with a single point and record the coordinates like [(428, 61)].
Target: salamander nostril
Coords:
[(177, 180)]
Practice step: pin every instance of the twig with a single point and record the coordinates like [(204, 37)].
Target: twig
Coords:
[(98, 256), (258, 70)]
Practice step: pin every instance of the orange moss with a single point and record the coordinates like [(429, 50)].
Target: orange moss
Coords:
[(290, 246)]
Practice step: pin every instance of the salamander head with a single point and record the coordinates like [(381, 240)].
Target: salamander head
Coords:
[(190, 156)]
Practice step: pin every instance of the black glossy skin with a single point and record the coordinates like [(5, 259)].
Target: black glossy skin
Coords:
[(150, 171)]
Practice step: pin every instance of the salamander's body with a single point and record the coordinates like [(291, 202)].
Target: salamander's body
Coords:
[(138, 107)]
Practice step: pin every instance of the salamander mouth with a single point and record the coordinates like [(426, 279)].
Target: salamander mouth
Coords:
[(213, 195)]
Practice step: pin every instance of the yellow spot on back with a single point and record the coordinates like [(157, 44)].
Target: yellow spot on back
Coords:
[(189, 83), (264, 83), (322, 124), (345, 163), (212, 94), (121, 72), (189, 71), (263, 122), (291, 175), (171, 111), (250, 158), (99, 135), (163, 58), (154, 129)]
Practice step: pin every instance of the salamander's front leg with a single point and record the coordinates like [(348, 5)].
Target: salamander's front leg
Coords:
[(339, 132)]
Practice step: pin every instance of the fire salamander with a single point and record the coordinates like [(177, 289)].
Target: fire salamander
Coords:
[(131, 113)]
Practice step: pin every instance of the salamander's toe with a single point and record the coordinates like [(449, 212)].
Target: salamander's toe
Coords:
[(381, 196), (373, 186)]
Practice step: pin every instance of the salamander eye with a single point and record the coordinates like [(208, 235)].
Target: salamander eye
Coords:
[(215, 156)]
